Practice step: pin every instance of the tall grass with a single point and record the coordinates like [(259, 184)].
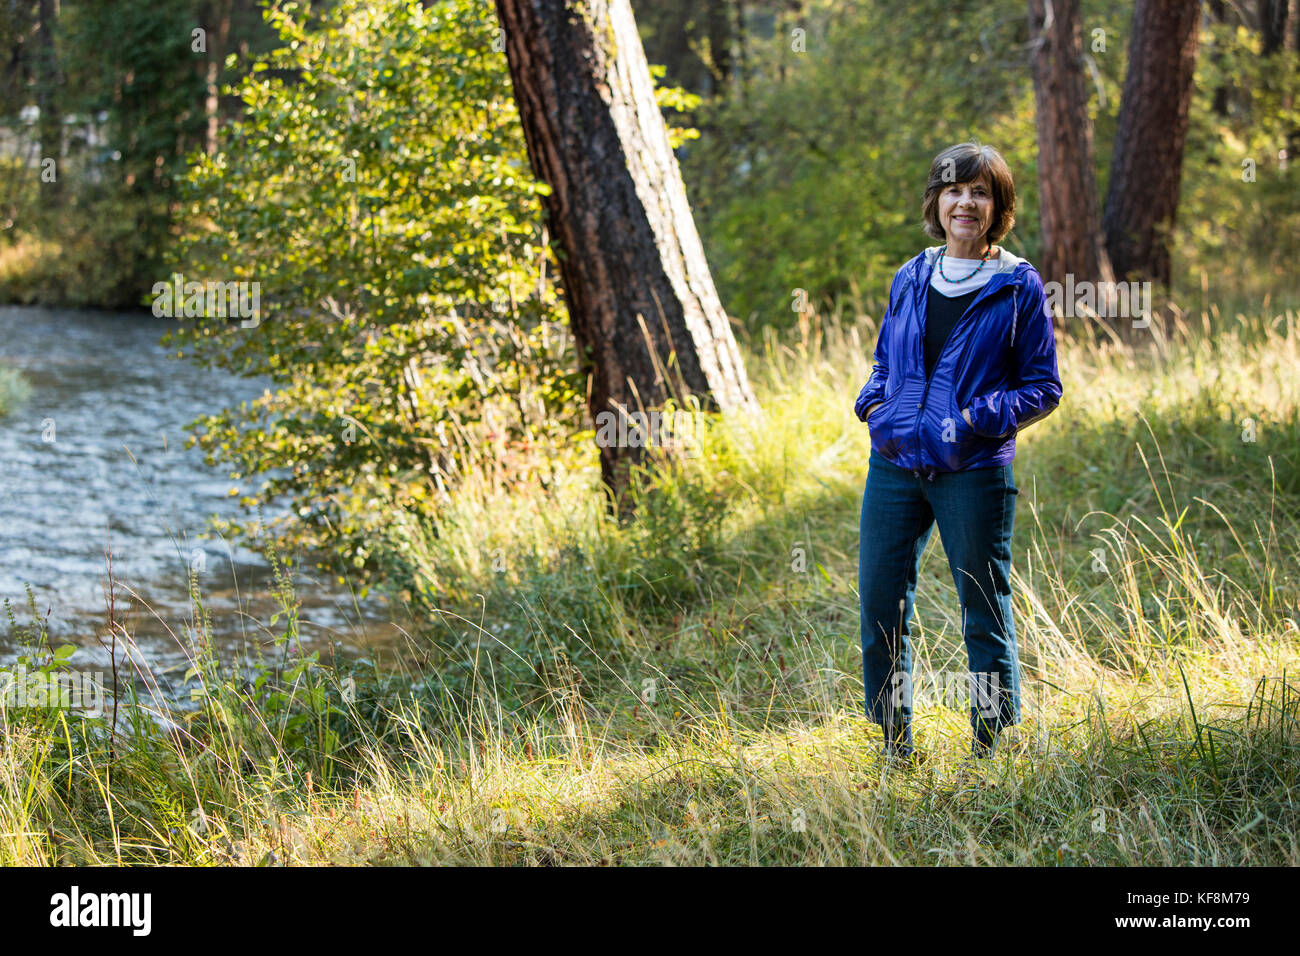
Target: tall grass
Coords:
[(686, 688)]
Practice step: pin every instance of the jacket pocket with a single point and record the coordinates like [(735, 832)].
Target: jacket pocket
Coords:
[(881, 406), (1010, 433), (884, 427), (961, 443), (962, 429)]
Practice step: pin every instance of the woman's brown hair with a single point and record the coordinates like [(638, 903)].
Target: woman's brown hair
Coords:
[(964, 163)]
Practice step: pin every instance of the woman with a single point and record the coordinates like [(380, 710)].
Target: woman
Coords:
[(965, 360)]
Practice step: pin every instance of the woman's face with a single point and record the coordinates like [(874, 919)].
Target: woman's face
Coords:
[(966, 210)]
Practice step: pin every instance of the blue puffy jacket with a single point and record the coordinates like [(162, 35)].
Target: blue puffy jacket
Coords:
[(999, 362)]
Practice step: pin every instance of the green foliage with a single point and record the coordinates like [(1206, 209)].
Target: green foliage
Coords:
[(378, 189), (36, 666), (96, 236), (92, 249), (677, 99), (1239, 212), (135, 60), (813, 179), (292, 694)]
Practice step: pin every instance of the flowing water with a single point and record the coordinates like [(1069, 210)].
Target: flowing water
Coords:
[(95, 459)]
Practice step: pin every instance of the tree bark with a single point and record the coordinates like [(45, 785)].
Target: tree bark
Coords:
[(1147, 165), (1069, 211), (642, 303)]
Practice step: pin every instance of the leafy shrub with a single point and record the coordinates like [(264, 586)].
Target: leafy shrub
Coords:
[(378, 190)]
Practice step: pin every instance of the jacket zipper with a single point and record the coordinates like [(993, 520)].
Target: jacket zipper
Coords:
[(929, 378)]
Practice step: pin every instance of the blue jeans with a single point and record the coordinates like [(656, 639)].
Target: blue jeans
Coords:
[(975, 510)]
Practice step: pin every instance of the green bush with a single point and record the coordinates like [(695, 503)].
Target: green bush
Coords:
[(378, 190), (87, 249)]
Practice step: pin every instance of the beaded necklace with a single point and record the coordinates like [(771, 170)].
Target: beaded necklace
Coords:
[(984, 259)]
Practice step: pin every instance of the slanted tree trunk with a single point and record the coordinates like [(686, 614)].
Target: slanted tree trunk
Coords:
[(1069, 211), (1147, 165), (639, 291)]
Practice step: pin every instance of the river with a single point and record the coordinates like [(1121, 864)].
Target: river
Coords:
[(96, 458)]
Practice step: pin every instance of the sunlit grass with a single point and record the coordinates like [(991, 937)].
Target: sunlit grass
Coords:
[(685, 689)]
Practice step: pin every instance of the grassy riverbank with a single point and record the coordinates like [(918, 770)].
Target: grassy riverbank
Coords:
[(685, 690)]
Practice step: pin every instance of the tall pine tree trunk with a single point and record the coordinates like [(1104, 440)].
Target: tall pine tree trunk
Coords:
[(1147, 165), (639, 291), (1069, 211)]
